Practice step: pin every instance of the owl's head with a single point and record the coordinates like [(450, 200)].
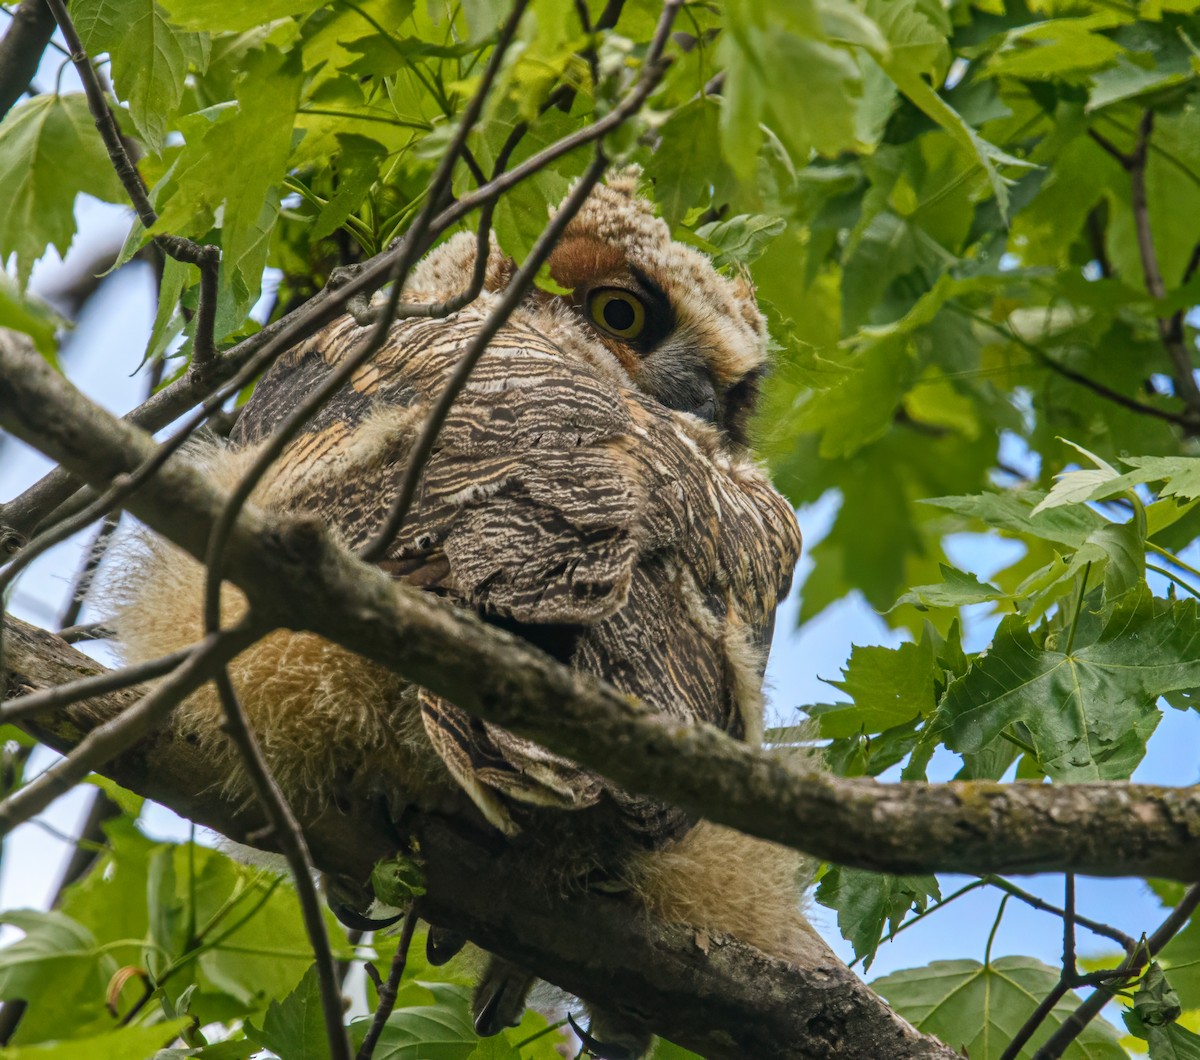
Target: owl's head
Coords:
[(641, 307)]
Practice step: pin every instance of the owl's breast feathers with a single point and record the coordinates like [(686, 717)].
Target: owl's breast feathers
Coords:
[(619, 536)]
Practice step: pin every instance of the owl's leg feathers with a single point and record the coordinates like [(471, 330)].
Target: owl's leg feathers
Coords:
[(723, 882)]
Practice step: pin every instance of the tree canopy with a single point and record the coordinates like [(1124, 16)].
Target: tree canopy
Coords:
[(973, 229)]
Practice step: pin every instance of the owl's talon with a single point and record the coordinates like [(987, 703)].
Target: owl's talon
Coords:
[(499, 1000), (356, 921), (601, 1050), (442, 944)]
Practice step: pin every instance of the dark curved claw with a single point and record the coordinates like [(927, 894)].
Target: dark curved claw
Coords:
[(499, 999), (441, 944), (357, 922), (602, 1050)]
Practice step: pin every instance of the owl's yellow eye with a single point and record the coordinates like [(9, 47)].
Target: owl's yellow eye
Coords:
[(617, 311)]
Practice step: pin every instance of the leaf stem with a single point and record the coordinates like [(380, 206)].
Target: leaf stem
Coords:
[(1172, 577), (1173, 559), (987, 951), (1078, 608)]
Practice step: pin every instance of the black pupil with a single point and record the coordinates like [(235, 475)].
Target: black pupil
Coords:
[(618, 314)]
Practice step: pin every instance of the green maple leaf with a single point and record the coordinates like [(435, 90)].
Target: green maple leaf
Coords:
[(866, 902), (889, 686), (149, 56), (978, 1008), (231, 167), (1089, 711), (917, 51), (781, 68), (49, 153)]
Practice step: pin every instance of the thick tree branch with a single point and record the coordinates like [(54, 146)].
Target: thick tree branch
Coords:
[(21, 50), (295, 576), (724, 1001)]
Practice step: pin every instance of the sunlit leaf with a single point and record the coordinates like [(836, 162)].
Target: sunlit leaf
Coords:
[(120, 1044), (150, 58), (1089, 709), (50, 152), (867, 903), (978, 1008)]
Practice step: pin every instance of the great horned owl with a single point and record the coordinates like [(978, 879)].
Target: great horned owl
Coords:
[(591, 492)]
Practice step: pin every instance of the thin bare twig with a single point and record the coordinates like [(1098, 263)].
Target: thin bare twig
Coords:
[(1126, 942), (204, 256), (1187, 421), (1171, 336), (87, 573), (1035, 1020), (291, 840), (435, 310), (1068, 978), (1074, 1024), (388, 990), (121, 487), (1126, 160), (25, 40), (106, 124), (87, 631), (1069, 969), (103, 538), (1170, 329)]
